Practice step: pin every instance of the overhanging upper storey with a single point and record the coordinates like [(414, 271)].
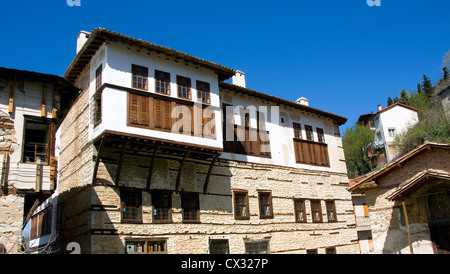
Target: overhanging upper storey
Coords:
[(101, 35)]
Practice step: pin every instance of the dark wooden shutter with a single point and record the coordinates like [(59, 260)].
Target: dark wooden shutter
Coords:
[(138, 110)]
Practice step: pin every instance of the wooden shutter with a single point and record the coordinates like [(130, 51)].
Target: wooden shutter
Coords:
[(138, 110)]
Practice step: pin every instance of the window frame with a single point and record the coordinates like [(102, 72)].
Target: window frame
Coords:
[(144, 77), (320, 135), (201, 92), (256, 245), (188, 87), (166, 75), (302, 211), (331, 210), (169, 207), (146, 245), (227, 251), (309, 133), (246, 205), (319, 211), (268, 204), (128, 192), (196, 208), (98, 77), (297, 127), (49, 144)]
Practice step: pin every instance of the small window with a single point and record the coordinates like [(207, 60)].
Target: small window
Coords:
[(162, 82), (391, 132), (320, 135), (162, 207), (146, 247), (316, 211), (98, 78), (265, 205), (241, 205), (330, 250), (203, 92), (190, 205), (36, 141), (331, 211), (297, 130), (300, 212), (257, 247), (131, 206), (219, 246), (309, 133), (96, 111), (184, 87), (140, 77), (312, 251)]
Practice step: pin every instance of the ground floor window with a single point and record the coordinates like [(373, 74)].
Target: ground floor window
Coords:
[(257, 247), (219, 246), (146, 247)]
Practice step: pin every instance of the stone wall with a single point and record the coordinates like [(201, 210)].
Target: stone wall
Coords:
[(11, 218)]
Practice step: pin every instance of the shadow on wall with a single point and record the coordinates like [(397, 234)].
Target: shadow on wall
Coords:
[(91, 217)]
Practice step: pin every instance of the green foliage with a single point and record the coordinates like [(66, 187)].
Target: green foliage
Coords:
[(356, 141), (427, 86), (445, 71), (389, 101)]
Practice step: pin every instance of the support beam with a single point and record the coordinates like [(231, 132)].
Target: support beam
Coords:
[(97, 160), (152, 164), (205, 187), (407, 228), (44, 96), (119, 166), (177, 184), (11, 96)]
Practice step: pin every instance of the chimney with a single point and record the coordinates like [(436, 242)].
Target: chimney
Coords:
[(302, 101), (239, 79), (83, 36), (379, 107)]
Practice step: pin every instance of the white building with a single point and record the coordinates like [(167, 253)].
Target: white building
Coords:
[(391, 121)]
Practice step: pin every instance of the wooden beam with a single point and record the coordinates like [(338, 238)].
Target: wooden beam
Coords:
[(119, 166), (177, 184), (44, 96), (97, 160), (407, 228), (55, 103), (205, 186), (152, 164), (11, 96)]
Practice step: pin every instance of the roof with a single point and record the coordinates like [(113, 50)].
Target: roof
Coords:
[(101, 35), (416, 181), (368, 181), (19, 74), (279, 101), (396, 104)]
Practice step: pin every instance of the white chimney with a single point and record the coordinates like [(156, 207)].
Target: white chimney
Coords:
[(83, 36), (379, 107), (302, 101), (239, 79)]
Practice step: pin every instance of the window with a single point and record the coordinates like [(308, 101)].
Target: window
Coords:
[(297, 130), (190, 205), (265, 205), (98, 78), (330, 250), (257, 247), (146, 247), (309, 133), (219, 246), (300, 212), (316, 211), (131, 206), (203, 92), (184, 87), (96, 110), (162, 207), (331, 211), (41, 223), (312, 251), (241, 205), (140, 77), (162, 82), (320, 135), (391, 132), (36, 147)]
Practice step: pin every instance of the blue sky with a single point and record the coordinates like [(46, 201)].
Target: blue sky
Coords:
[(343, 55)]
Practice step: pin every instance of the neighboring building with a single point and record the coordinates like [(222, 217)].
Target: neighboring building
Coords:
[(387, 123), (418, 182), (148, 166), (32, 106)]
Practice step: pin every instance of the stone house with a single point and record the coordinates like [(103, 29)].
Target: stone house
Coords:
[(407, 203), (159, 154), (32, 106)]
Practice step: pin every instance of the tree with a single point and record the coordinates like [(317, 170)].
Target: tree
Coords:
[(419, 88), (445, 70), (404, 97), (427, 86), (389, 101), (357, 141)]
